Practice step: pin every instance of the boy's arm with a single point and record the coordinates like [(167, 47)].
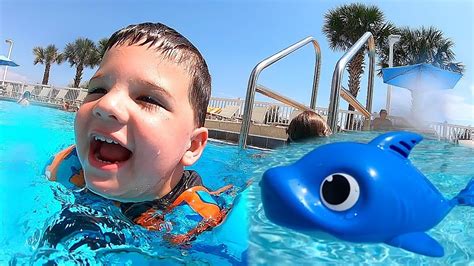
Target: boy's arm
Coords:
[(66, 168)]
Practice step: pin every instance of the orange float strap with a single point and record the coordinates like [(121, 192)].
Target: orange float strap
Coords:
[(199, 199), (52, 169), (65, 166)]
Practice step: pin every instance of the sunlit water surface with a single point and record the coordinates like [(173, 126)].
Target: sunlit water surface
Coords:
[(449, 167), (29, 136), (28, 203)]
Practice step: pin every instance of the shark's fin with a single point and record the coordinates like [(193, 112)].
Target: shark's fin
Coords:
[(466, 196), (418, 242), (398, 142)]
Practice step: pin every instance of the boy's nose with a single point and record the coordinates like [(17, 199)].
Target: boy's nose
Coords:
[(111, 108)]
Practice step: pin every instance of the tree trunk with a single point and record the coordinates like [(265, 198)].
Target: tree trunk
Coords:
[(46, 74), (355, 69), (77, 79)]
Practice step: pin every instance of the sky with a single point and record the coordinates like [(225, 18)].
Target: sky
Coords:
[(234, 36)]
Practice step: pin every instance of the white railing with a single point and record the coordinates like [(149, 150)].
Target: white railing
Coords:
[(46, 94), (443, 131), (281, 114), (452, 132), (277, 113), (357, 122), (223, 102)]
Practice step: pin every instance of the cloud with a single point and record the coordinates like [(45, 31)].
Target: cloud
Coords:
[(14, 76), (454, 107)]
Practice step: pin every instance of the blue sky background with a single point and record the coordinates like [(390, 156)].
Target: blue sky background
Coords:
[(234, 36)]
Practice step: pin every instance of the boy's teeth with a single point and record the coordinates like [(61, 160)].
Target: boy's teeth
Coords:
[(101, 138)]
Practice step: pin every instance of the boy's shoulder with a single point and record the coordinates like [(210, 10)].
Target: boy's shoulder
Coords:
[(65, 168)]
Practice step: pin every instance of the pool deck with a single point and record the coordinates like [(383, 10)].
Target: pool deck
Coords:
[(44, 104), (467, 143), (260, 136)]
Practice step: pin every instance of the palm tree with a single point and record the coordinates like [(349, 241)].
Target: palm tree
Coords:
[(102, 46), (425, 45), (81, 53), (344, 25), (47, 56)]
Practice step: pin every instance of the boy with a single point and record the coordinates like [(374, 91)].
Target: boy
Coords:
[(307, 125), (382, 122), (141, 123)]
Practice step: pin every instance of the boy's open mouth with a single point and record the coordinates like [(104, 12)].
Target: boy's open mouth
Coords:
[(108, 151)]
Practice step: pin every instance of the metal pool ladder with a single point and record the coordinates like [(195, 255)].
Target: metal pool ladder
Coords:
[(336, 88), (252, 85), (337, 78)]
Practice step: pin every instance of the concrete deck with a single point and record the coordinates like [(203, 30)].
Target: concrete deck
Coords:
[(261, 136)]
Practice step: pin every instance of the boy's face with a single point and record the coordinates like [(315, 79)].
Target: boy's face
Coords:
[(135, 130)]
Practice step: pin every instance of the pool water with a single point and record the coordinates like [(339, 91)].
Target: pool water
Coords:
[(29, 136), (449, 167), (28, 203)]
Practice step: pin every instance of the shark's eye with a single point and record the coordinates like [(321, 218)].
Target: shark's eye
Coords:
[(339, 192)]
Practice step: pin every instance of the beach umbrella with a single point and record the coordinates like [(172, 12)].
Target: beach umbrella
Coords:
[(420, 77), (4, 61)]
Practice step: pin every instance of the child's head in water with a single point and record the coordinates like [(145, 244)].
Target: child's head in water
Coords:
[(142, 121), (307, 125)]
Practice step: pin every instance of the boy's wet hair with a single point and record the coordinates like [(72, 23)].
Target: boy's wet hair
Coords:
[(175, 47), (26, 95), (307, 125)]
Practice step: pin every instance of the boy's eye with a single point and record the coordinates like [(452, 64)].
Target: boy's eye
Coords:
[(149, 99), (150, 102), (96, 90)]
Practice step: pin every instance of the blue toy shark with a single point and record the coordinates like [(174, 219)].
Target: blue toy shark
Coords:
[(361, 193)]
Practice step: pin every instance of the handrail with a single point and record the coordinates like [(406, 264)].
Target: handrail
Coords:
[(337, 77), (252, 85), (346, 95), (274, 95)]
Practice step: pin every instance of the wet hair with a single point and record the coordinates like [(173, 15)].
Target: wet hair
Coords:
[(175, 47), (26, 95), (307, 125)]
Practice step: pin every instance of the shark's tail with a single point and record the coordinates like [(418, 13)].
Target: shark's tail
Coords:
[(466, 196)]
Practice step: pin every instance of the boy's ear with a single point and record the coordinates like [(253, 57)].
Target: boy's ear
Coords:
[(198, 142)]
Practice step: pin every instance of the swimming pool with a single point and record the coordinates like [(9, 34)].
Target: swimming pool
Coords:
[(28, 202), (449, 167)]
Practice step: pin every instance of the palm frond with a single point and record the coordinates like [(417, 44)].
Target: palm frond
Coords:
[(422, 45)]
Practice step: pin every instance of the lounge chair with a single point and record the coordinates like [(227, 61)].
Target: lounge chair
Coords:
[(78, 101), (59, 98), (259, 114), (82, 95), (211, 111), (228, 112), (43, 96), (6, 91)]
